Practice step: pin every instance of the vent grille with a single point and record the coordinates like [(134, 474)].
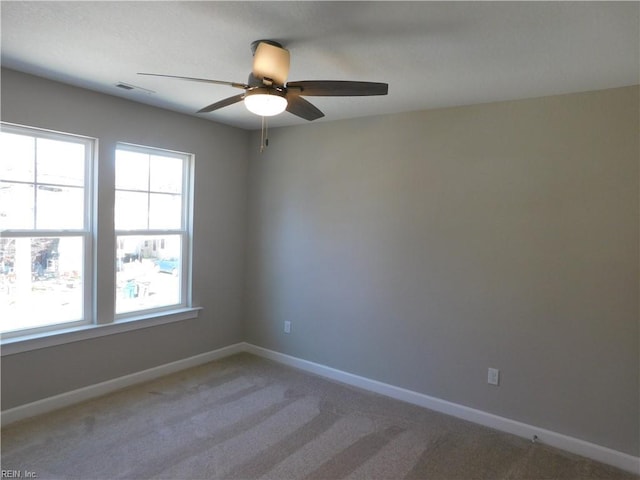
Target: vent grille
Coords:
[(128, 86)]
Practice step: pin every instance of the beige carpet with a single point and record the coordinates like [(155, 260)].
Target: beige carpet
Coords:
[(246, 418)]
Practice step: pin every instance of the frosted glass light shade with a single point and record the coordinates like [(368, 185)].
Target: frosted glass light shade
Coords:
[(265, 103)]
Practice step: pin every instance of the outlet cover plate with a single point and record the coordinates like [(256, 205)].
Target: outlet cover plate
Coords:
[(493, 377)]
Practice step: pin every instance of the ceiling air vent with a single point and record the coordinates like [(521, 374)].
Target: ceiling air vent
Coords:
[(128, 86)]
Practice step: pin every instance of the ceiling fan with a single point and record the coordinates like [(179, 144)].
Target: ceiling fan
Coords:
[(268, 93)]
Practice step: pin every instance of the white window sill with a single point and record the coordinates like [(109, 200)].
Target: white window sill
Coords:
[(13, 345)]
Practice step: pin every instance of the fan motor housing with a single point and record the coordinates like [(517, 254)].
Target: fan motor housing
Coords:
[(270, 60)]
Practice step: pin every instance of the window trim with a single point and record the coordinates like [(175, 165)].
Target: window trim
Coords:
[(86, 232), (62, 336), (185, 231), (91, 326)]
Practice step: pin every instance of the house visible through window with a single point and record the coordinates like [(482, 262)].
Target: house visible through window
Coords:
[(45, 240)]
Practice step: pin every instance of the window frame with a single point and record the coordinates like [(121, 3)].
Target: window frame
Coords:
[(185, 231), (86, 232), (93, 324)]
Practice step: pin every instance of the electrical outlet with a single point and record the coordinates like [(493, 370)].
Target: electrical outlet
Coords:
[(287, 326), (493, 378)]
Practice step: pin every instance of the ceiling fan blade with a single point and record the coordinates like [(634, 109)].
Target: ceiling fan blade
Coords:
[(338, 88), (222, 103), (204, 80), (302, 108)]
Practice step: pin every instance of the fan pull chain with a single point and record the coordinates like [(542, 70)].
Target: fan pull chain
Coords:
[(264, 134)]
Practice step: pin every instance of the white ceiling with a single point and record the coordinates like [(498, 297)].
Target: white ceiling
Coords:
[(432, 54)]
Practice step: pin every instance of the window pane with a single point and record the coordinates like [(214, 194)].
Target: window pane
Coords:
[(60, 208), (132, 170), (17, 157), (16, 206), (165, 174), (131, 210), (60, 162), (41, 281), (165, 211), (148, 272)]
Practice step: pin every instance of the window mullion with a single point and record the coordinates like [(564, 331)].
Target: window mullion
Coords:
[(35, 183), (148, 191)]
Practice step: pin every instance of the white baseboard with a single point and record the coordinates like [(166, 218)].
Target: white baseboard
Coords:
[(554, 439), (92, 391), (548, 437)]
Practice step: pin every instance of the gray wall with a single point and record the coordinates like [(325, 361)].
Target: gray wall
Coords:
[(419, 249), (415, 249), (219, 232)]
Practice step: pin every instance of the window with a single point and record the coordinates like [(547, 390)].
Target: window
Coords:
[(49, 258), (45, 229), (152, 228)]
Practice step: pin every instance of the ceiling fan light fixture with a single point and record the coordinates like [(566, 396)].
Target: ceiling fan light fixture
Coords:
[(265, 102)]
